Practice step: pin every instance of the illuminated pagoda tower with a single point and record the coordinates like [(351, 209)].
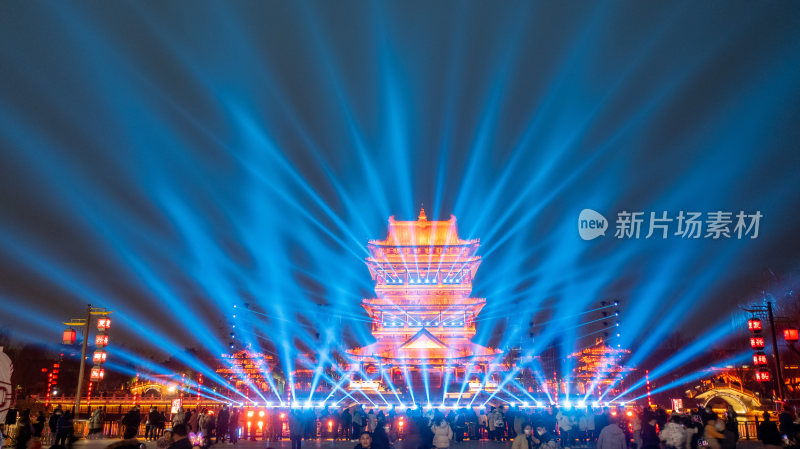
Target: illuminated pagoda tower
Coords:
[(423, 316)]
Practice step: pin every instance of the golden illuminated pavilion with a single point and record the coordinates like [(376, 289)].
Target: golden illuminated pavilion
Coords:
[(599, 366), (423, 312)]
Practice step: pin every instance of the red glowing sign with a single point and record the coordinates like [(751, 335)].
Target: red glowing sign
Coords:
[(99, 357), (790, 335), (757, 342), (759, 359), (762, 376), (754, 324), (103, 324), (97, 374), (69, 337), (101, 341)]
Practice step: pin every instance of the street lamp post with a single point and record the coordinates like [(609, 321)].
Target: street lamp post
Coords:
[(779, 371), (85, 323)]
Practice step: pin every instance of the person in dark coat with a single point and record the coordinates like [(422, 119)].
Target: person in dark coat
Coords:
[(412, 438), (542, 438), (650, 438), (24, 429), (180, 437), (223, 419), (161, 424), (52, 423), (768, 434), (295, 429), (151, 425), (786, 422), (460, 426), (380, 438), (233, 425), (425, 433), (731, 422), (346, 420), (38, 425), (131, 422), (64, 430)]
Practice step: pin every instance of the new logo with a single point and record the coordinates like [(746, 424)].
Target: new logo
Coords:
[(591, 224)]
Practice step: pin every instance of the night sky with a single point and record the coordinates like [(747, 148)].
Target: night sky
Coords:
[(170, 160)]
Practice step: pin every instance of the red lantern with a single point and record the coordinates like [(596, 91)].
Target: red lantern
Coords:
[(754, 324), (790, 335), (101, 341), (103, 324), (69, 336), (99, 357), (97, 374), (759, 359), (757, 342), (762, 376)]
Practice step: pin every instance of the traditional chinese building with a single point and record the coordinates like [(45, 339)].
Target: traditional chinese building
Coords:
[(422, 315), (598, 367), (247, 371)]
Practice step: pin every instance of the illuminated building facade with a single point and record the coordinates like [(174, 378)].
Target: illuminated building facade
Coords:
[(598, 366), (423, 316), (247, 370)]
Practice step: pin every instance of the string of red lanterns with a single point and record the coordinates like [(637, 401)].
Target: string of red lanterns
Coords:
[(755, 327), (52, 381), (69, 337), (99, 357)]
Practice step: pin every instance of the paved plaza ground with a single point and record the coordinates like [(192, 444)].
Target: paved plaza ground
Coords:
[(328, 444)]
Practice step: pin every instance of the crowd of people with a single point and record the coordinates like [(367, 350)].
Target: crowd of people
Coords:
[(420, 428)]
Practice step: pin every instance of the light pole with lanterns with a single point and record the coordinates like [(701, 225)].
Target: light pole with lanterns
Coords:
[(757, 342), (101, 341)]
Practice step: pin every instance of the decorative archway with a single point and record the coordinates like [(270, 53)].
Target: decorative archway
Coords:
[(157, 390), (741, 401)]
